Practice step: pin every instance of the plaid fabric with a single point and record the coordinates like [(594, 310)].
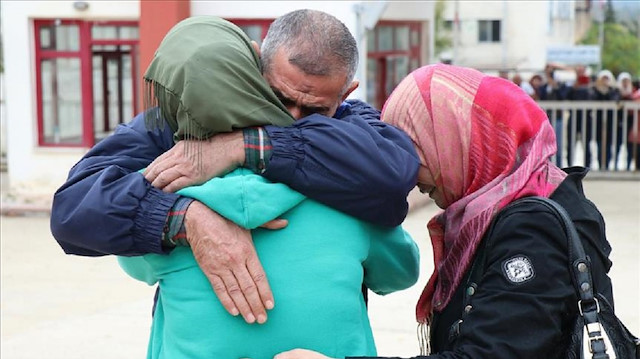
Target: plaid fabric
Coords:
[(257, 149), (174, 231)]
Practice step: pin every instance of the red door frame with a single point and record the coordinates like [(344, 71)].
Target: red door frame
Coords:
[(84, 53), (263, 23), (381, 56)]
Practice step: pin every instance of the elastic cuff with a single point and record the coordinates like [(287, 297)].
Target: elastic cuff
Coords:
[(150, 220), (174, 230), (287, 153)]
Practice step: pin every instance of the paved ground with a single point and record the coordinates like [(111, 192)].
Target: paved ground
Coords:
[(59, 306)]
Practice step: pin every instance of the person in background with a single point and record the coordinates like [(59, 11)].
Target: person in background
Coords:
[(502, 286), (554, 90), (627, 93), (532, 87), (625, 86), (579, 91), (338, 153), (322, 256), (604, 89)]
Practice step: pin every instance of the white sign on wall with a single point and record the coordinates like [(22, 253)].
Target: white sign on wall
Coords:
[(574, 55)]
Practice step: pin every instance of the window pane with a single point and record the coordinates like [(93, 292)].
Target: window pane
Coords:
[(111, 48), (61, 100), (112, 32), (127, 88), (415, 38), (388, 81), (402, 38), (483, 31), (495, 33), (98, 94), (372, 82), (113, 92), (60, 37), (99, 32), (45, 37), (371, 40), (129, 33), (254, 32), (385, 38), (401, 69)]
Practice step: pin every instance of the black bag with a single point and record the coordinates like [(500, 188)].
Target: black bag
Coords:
[(597, 332)]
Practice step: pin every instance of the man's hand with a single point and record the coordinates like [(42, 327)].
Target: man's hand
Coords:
[(226, 255), (195, 162), (300, 354)]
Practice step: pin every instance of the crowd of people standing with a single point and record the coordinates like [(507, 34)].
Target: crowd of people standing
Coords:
[(612, 131)]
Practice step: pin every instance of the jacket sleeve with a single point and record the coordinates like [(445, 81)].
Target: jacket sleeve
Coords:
[(354, 163), (394, 261), (106, 206)]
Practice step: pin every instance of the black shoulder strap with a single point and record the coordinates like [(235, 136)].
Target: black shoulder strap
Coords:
[(579, 265)]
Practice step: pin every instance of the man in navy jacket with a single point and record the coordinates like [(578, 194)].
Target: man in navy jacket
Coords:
[(338, 153)]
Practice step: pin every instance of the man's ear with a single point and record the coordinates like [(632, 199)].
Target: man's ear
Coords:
[(352, 86), (256, 47)]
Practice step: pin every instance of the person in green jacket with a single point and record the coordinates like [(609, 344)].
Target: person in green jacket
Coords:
[(316, 265)]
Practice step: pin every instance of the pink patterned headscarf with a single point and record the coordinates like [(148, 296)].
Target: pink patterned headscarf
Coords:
[(485, 143)]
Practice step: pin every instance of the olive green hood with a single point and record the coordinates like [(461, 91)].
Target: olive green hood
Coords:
[(205, 78)]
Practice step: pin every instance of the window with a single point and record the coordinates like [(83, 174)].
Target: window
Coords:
[(393, 51), (489, 31), (256, 29), (86, 77), (447, 25)]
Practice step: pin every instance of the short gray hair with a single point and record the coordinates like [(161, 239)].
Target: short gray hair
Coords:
[(316, 42)]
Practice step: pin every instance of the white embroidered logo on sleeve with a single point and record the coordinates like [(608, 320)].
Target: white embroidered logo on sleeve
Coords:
[(518, 269)]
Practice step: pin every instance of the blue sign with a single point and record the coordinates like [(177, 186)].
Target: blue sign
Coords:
[(574, 55)]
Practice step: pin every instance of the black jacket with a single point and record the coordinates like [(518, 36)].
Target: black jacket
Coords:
[(529, 313)]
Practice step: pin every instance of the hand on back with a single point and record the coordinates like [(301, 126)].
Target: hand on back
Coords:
[(191, 163)]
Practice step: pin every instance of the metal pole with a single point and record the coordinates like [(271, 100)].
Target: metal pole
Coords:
[(503, 34), (456, 32), (601, 35)]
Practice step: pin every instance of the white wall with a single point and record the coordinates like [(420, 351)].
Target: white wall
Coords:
[(3, 118), (36, 172), (527, 31)]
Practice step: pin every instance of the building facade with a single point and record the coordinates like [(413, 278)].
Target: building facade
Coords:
[(512, 35), (73, 69)]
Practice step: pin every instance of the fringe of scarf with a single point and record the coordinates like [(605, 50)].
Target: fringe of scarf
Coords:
[(156, 100), (423, 332)]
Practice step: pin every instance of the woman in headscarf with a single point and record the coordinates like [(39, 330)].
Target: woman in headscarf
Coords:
[(625, 86), (501, 287), (205, 79)]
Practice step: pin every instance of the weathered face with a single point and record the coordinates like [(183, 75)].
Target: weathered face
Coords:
[(304, 94)]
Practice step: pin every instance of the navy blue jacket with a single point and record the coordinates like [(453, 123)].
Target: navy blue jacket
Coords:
[(352, 162)]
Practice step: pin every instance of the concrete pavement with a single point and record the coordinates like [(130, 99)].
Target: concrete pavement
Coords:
[(59, 306)]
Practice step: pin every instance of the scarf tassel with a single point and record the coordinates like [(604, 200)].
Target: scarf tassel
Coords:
[(423, 332)]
